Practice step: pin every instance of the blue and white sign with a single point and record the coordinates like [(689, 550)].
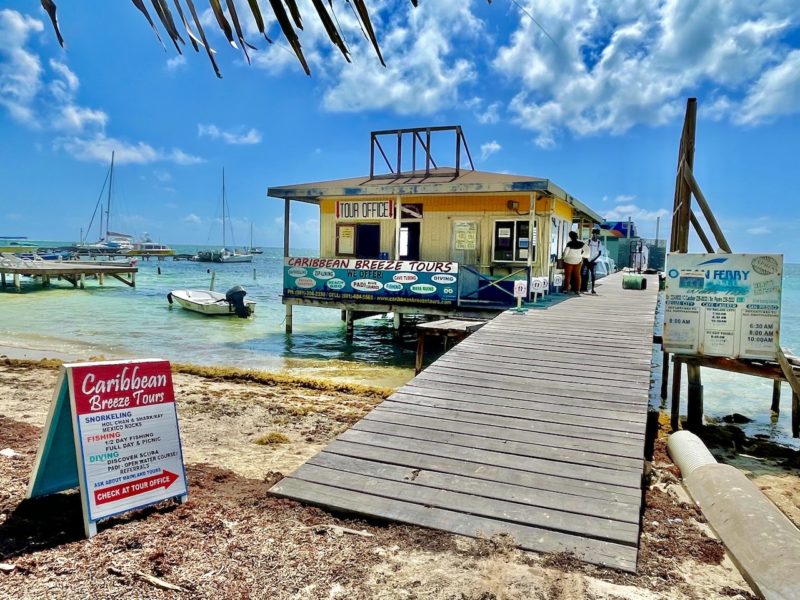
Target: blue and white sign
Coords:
[(367, 280), (723, 304)]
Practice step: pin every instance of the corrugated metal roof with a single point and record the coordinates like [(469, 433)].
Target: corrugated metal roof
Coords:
[(439, 181)]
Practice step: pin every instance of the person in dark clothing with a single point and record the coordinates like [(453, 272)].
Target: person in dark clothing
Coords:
[(573, 256), (594, 250)]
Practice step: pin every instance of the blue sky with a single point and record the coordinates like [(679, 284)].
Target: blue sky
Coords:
[(595, 104)]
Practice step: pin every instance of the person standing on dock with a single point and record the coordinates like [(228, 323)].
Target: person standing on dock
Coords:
[(573, 256), (594, 249)]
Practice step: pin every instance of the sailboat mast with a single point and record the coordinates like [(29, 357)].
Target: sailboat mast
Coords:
[(224, 245), (108, 209)]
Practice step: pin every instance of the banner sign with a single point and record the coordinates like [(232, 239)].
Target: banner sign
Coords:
[(113, 432), (723, 304), (364, 210), (367, 280)]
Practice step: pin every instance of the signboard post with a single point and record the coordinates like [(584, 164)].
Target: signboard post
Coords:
[(112, 431), (725, 305)]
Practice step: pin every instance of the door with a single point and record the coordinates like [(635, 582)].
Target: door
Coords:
[(409, 240), (368, 240)]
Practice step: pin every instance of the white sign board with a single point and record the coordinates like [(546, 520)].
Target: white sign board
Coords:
[(520, 288), (364, 210), (723, 304), (112, 431)]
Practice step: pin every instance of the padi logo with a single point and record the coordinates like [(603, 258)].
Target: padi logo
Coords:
[(673, 273)]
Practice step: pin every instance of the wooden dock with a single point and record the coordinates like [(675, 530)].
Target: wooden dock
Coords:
[(75, 272), (533, 427)]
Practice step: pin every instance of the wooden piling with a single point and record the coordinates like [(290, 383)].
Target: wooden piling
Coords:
[(664, 374), (82, 280), (16, 282), (795, 415), (349, 324), (776, 397), (3, 280), (288, 318), (676, 396), (694, 397)]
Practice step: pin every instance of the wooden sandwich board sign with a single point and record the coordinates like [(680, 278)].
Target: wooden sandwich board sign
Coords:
[(112, 431)]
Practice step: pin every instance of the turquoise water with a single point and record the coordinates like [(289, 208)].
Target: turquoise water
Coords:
[(117, 321)]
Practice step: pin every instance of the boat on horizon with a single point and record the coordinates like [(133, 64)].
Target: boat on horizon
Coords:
[(147, 247), (110, 242), (16, 244), (210, 303), (224, 254)]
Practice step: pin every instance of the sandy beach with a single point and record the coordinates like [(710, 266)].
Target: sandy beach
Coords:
[(234, 540)]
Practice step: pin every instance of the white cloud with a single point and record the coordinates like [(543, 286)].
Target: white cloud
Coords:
[(761, 230), (235, 137), (176, 62), (636, 213), (776, 93), (611, 66), (489, 148), (193, 219), (490, 115), (99, 148), (428, 50), (162, 176), (47, 100), (20, 69)]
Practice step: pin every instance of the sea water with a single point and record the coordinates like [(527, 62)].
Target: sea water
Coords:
[(115, 321)]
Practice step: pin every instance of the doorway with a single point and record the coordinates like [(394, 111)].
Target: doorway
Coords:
[(368, 240), (409, 240)]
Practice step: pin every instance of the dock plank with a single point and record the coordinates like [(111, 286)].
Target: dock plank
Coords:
[(533, 426)]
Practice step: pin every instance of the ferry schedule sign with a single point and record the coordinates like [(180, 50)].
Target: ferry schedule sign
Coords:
[(367, 280), (725, 305), (113, 432)]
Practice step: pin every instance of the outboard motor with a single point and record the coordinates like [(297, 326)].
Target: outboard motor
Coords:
[(235, 297)]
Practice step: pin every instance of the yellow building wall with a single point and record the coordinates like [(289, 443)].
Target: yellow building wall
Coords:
[(439, 213)]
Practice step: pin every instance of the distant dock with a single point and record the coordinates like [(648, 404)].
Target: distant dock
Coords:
[(75, 272)]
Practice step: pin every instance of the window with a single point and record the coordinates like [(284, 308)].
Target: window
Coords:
[(513, 241)]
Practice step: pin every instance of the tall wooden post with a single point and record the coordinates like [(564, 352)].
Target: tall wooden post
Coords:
[(288, 318)]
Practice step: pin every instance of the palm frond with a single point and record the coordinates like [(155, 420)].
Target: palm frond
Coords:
[(288, 31), (203, 37), (330, 28), (196, 43), (258, 18), (50, 7), (279, 9), (143, 9), (238, 27), (222, 21), (165, 16)]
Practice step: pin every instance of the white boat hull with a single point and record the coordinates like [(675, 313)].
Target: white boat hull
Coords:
[(207, 303)]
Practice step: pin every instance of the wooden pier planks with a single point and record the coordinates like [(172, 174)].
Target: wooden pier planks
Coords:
[(534, 427)]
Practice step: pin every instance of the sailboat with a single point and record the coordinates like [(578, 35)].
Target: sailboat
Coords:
[(110, 241), (224, 255), (253, 249)]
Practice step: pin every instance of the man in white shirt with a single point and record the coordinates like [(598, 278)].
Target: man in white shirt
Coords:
[(594, 249)]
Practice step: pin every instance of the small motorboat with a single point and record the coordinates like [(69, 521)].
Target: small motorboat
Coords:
[(232, 302)]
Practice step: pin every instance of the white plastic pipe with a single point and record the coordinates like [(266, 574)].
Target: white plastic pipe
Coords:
[(688, 452)]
